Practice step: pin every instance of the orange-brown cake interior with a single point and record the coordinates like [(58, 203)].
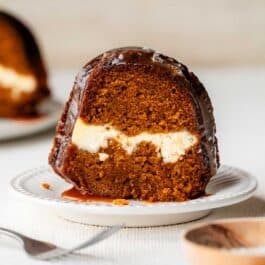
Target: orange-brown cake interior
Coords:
[(134, 101)]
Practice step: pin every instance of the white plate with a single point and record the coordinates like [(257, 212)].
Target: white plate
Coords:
[(229, 186), (50, 112)]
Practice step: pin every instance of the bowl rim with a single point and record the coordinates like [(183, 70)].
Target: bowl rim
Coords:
[(192, 244)]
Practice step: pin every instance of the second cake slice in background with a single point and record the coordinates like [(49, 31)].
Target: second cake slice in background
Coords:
[(23, 78)]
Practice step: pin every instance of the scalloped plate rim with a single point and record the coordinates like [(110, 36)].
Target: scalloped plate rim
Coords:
[(200, 204)]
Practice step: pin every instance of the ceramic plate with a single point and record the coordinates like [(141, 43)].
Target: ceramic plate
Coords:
[(229, 186), (50, 112)]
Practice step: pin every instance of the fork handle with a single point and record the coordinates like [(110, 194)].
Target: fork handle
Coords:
[(11, 234)]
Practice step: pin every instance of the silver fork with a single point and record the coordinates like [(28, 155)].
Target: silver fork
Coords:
[(46, 251)]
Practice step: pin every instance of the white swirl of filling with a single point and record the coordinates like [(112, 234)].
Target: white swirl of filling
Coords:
[(16, 82), (171, 146)]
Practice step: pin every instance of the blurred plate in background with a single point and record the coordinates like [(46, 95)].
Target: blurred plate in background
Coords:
[(50, 112)]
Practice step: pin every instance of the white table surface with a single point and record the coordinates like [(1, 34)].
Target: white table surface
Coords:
[(239, 99)]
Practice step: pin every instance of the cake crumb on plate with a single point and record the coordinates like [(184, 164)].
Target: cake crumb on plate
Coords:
[(120, 202), (46, 186)]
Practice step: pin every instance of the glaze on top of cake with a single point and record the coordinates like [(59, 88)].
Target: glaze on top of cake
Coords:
[(23, 79), (156, 131)]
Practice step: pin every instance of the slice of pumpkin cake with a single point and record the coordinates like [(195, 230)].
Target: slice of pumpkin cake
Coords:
[(137, 125)]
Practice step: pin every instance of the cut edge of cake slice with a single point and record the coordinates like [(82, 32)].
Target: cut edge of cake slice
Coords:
[(137, 125)]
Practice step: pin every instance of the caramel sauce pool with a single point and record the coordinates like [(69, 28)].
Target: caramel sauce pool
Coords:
[(74, 195)]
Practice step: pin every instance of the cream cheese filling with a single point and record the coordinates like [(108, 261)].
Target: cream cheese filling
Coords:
[(170, 146), (16, 82)]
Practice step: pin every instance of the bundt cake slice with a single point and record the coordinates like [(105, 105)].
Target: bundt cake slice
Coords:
[(23, 81), (137, 125)]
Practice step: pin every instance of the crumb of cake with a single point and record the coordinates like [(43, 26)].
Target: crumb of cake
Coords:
[(120, 202), (46, 186)]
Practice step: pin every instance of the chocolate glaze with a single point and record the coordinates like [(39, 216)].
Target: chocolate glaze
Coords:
[(32, 51), (132, 57)]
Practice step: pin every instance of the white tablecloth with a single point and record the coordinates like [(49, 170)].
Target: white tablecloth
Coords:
[(239, 100)]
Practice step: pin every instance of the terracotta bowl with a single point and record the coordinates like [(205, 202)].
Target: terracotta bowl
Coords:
[(239, 241)]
